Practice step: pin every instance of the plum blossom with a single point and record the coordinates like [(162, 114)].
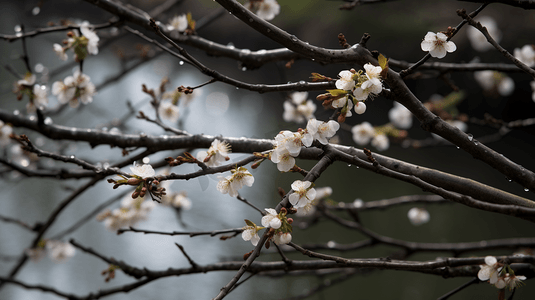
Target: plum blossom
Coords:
[(526, 55), (216, 154), (271, 219), (437, 44), (81, 45), (40, 98), (291, 141), (177, 200), (74, 88), (264, 9), (232, 183), (341, 103), (142, 171), (495, 81), (250, 233), (513, 281), (310, 207), (301, 109), (91, 37), (363, 133), (129, 213), (373, 73), (478, 40), (400, 116), (284, 160), (490, 270), (367, 88), (60, 251), (60, 51), (346, 81), (5, 132), (320, 131), (177, 24), (381, 142), (418, 216), (169, 111), (303, 193), (282, 238)]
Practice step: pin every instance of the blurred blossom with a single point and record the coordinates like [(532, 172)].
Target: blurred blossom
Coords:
[(60, 251), (492, 81), (363, 133), (418, 216), (177, 25), (264, 9), (381, 142), (169, 111), (526, 55), (5, 132), (478, 40), (130, 213), (400, 116)]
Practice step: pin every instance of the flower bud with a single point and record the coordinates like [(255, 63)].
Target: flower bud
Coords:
[(134, 181)]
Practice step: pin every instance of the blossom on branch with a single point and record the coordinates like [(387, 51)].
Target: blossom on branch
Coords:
[(321, 131), (264, 9), (299, 109), (272, 219), (400, 116), (250, 233), (490, 270), (303, 193), (232, 183), (346, 81), (282, 238), (216, 154), (177, 24), (142, 171), (363, 133), (169, 111), (74, 88), (437, 44), (60, 251)]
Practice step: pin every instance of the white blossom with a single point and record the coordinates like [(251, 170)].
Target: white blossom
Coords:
[(363, 133), (341, 102), (301, 109), (418, 216), (216, 154), (495, 81), (169, 111), (513, 281), (181, 200), (232, 183), (264, 9), (60, 51), (358, 203), (346, 81), (478, 40), (437, 44), (250, 233), (373, 73), (360, 108), (271, 219), (367, 88), (526, 55), (302, 194), (91, 36), (299, 97), (28, 80), (321, 131), (177, 24), (400, 116), (128, 214), (40, 98), (284, 160), (60, 251), (292, 141), (381, 142), (282, 238), (5, 132), (490, 270), (142, 171), (74, 88)]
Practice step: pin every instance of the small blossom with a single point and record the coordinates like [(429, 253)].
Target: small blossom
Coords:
[(358, 203), (59, 251), (346, 81), (28, 80), (60, 51), (271, 219), (322, 130), (526, 55), (5, 132), (400, 116), (130, 213), (323, 192), (373, 73), (513, 281), (303, 193), (291, 141), (341, 103), (74, 88), (177, 24), (91, 36), (437, 44), (367, 88), (381, 142), (142, 171), (264, 9), (177, 200), (301, 109), (216, 154), (40, 98), (493, 81), (282, 238), (360, 108), (169, 111), (418, 216), (250, 233), (231, 184), (478, 40), (284, 160), (363, 133)]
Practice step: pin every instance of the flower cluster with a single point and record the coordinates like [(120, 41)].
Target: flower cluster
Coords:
[(58, 251), (492, 82), (281, 228), (264, 9), (365, 132), (216, 154), (526, 55), (74, 88), (288, 144), (298, 109), (131, 212), (499, 275), (437, 44), (232, 183), (81, 45), (37, 94)]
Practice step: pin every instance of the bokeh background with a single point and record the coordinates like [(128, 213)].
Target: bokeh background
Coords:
[(397, 29)]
